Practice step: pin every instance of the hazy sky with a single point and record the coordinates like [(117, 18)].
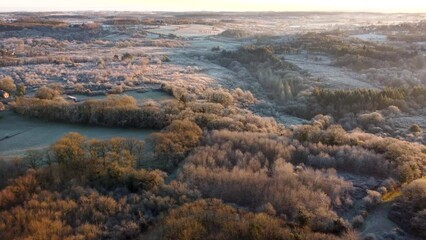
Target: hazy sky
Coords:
[(216, 5)]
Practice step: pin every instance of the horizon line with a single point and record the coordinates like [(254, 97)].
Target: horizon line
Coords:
[(207, 11)]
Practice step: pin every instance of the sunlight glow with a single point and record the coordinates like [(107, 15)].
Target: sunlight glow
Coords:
[(217, 5)]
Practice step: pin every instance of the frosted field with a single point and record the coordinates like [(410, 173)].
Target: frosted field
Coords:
[(189, 30), (139, 96), (371, 37), (331, 77), (18, 134)]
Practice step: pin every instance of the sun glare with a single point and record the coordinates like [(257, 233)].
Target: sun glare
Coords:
[(218, 5)]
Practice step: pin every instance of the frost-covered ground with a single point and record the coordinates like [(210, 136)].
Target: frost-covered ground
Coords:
[(188, 30), (189, 66), (329, 76), (371, 37), (378, 225), (139, 96), (187, 53), (18, 134)]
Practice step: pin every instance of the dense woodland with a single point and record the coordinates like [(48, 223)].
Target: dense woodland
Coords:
[(297, 93), (87, 189), (337, 103), (112, 112), (245, 161), (356, 54), (283, 80)]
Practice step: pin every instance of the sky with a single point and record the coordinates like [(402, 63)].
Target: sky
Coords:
[(418, 6)]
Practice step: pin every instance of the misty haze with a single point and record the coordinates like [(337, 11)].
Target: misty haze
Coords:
[(212, 123)]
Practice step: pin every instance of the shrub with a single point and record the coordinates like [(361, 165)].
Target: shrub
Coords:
[(415, 193), (374, 118), (415, 128), (178, 138), (372, 199), (47, 93), (20, 90), (7, 84), (220, 96), (393, 110), (127, 57), (234, 33)]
